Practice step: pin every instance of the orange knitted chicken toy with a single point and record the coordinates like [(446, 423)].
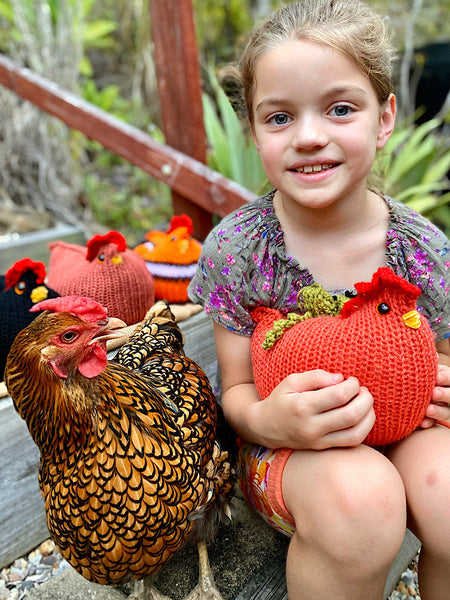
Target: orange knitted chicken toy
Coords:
[(171, 257), (378, 337)]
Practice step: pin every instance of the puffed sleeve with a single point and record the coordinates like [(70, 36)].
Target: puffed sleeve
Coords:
[(422, 256)]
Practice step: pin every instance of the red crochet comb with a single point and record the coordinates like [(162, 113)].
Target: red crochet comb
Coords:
[(384, 278), (15, 273), (86, 308), (98, 241), (181, 221)]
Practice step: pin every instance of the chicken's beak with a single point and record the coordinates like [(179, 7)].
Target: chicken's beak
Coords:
[(412, 319), (112, 330)]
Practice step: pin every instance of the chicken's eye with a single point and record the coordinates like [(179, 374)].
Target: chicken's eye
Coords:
[(383, 308), (20, 288), (69, 336), (101, 257)]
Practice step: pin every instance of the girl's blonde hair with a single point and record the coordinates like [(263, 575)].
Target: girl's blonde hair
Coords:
[(349, 26)]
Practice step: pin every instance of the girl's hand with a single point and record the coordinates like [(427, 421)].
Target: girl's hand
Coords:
[(316, 410), (439, 408)]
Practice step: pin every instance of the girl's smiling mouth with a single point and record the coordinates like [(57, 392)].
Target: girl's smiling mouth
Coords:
[(314, 168)]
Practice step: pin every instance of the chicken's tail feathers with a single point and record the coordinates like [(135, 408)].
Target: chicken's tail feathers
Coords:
[(216, 507)]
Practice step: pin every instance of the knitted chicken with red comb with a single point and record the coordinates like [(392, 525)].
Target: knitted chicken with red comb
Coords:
[(171, 257), (105, 270), (378, 337)]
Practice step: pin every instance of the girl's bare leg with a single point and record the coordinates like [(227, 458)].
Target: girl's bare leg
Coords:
[(350, 512), (423, 461)]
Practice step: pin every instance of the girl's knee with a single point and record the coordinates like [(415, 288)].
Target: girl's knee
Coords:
[(423, 461), (354, 508)]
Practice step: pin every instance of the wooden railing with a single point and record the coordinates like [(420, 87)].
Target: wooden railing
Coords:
[(196, 189)]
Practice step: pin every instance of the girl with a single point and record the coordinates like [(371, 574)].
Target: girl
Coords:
[(317, 83)]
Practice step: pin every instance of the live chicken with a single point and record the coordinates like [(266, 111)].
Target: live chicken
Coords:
[(130, 463)]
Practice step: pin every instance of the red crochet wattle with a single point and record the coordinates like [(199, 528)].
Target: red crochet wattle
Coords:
[(372, 339)]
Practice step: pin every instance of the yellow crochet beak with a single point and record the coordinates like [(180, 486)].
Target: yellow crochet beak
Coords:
[(412, 319), (39, 293)]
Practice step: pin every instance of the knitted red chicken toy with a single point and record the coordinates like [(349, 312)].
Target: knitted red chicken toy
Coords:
[(378, 337), (105, 270)]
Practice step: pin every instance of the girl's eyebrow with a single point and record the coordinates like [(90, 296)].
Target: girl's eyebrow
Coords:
[(342, 90)]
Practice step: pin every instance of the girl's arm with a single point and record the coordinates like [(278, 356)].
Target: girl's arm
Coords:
[(312, 410), (439, 409)]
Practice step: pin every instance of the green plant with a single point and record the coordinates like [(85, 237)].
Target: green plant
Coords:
[(414, 168), (125, 198), (231, 148)]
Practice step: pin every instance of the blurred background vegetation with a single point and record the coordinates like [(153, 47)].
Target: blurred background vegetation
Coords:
[(102, 50)]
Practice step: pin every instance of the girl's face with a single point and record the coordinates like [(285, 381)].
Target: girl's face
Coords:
[(317, 123)]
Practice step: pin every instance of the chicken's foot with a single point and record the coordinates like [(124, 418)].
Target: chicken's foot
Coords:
[(206, 588), (146, 590)]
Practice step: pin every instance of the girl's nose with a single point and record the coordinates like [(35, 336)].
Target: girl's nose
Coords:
[(309, 133)]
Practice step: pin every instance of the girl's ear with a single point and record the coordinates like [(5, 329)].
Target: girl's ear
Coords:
[(387, 121)]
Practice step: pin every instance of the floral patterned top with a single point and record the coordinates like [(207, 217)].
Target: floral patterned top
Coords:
[(244, 264)]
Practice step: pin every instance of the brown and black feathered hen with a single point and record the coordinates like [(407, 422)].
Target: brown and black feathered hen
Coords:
[(130, 464)]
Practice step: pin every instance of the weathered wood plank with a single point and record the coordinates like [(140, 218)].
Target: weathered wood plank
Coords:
[(22, 515), (188, 177), (35, 245)]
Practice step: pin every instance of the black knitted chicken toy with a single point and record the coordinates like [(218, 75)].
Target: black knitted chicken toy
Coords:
[(21, 288)]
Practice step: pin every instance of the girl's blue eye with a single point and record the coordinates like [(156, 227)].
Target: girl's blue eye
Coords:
[(280, 119), (341, 111)]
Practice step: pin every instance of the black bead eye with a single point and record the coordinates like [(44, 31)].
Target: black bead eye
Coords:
[(383, 308), (101, 257)]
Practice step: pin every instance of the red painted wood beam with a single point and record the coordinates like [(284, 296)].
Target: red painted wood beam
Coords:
[(187, 176), (179, 89)]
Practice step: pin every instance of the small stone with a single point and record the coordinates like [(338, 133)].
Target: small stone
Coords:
[(407, 577), (35, 557), (47, 548), (20, 564), (27, 585), (14, 576), (50, 560)]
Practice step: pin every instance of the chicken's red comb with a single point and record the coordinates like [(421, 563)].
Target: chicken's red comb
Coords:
[(86, 308), (20, 267), (181, 221), (384, 278), (113, 237)]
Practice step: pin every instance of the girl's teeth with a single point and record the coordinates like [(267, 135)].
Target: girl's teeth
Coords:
[(313, 168)]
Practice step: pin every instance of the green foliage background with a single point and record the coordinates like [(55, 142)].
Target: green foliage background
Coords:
[(115, 71)]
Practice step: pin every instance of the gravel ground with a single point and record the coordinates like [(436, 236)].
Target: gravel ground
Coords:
[(45, 562)]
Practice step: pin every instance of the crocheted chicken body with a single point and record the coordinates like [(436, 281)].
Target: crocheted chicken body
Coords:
[(378, 337), (171, 257), (105, 270)]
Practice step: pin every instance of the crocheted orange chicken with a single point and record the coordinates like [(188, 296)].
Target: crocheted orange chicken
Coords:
[(378, 337), (105, 270), (171, 257)]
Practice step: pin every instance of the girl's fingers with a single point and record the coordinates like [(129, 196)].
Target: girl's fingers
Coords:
[(349, 415), (353, 436), (439, 412)]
